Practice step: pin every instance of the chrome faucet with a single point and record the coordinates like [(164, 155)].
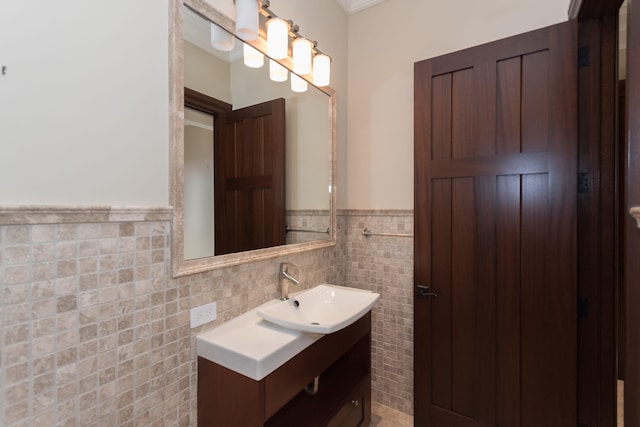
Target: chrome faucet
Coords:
[(285, 278)]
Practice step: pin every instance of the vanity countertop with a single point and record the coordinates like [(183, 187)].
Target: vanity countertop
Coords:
[(252, 346)]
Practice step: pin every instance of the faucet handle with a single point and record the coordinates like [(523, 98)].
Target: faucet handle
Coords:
[(285, 265), (285, 277)]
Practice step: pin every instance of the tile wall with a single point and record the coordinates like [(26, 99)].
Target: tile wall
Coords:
[(384, 264), (95, 332)]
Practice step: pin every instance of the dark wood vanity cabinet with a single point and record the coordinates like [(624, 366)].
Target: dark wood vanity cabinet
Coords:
[(342, 361)]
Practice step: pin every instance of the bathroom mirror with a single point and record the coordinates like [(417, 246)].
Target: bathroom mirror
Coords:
[(202, 76)]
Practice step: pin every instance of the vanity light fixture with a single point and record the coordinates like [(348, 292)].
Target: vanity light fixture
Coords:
[(220, 39), (321, 70), (247, 19), (301, 49), (278, 38), (298, 84), (253, 58), (305, 55), (277, 72)]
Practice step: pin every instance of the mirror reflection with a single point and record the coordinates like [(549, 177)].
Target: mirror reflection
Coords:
[(257, 154)]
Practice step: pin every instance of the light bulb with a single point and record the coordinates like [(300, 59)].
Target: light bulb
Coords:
[(277, 72), (301, 48), (321, 70), (252, 57), (277, 38), (298, 84), (220, 39), (247, 19)]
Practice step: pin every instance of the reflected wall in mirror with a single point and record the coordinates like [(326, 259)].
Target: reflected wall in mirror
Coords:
[(242, 188)]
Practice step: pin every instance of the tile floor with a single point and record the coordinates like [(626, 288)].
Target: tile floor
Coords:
[(620, 403), (383, 416)]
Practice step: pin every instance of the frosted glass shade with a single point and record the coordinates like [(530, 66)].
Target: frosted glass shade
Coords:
[(298, 84), (247, 19), (321, 70), (277, 38), (252, 57), (277, 72), (220, 39), (301, 49)]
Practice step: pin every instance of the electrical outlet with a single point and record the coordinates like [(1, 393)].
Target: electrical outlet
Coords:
[(203, 314)]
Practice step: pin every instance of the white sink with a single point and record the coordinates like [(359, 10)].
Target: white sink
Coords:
[(323, 310), (251, 346)]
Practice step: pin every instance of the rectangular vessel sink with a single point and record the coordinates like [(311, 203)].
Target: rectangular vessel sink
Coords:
[(323, 310), (251, 346)]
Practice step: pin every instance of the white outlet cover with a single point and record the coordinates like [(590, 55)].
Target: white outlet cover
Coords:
[(203, 314)]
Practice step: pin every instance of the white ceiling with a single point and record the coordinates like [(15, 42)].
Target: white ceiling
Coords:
[(353, 6)]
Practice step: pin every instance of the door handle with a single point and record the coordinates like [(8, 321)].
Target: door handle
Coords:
[(423, 291)]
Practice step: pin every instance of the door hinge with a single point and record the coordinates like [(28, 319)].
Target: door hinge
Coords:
[(583, 56), (583, 308), (583, 182)]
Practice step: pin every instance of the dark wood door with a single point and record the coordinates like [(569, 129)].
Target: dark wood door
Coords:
[(495, 227), (249, 178)]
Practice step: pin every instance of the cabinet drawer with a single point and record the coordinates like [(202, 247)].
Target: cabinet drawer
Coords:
[(355, 411)]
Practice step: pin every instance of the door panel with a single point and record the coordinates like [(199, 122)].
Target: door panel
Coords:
[(441, 365), (535, 102), (463, 294), (508, 296), (495, 218), (536, 330), (249, 178), (508, 99)]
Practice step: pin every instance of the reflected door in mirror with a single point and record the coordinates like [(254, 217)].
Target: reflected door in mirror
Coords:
[(249, 178)]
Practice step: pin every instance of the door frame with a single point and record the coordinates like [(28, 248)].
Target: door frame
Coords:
[(632, 247), (598, 23), (632, 236)]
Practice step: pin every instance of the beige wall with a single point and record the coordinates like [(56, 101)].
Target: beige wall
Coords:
[(384, 43), (199, 227), (206, 74), (84, 103)]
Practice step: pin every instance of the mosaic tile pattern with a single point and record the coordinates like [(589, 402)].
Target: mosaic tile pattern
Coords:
[(385, 265), (90, 326)]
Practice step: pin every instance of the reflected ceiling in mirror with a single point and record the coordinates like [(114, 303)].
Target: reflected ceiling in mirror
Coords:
[(308, 170)]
